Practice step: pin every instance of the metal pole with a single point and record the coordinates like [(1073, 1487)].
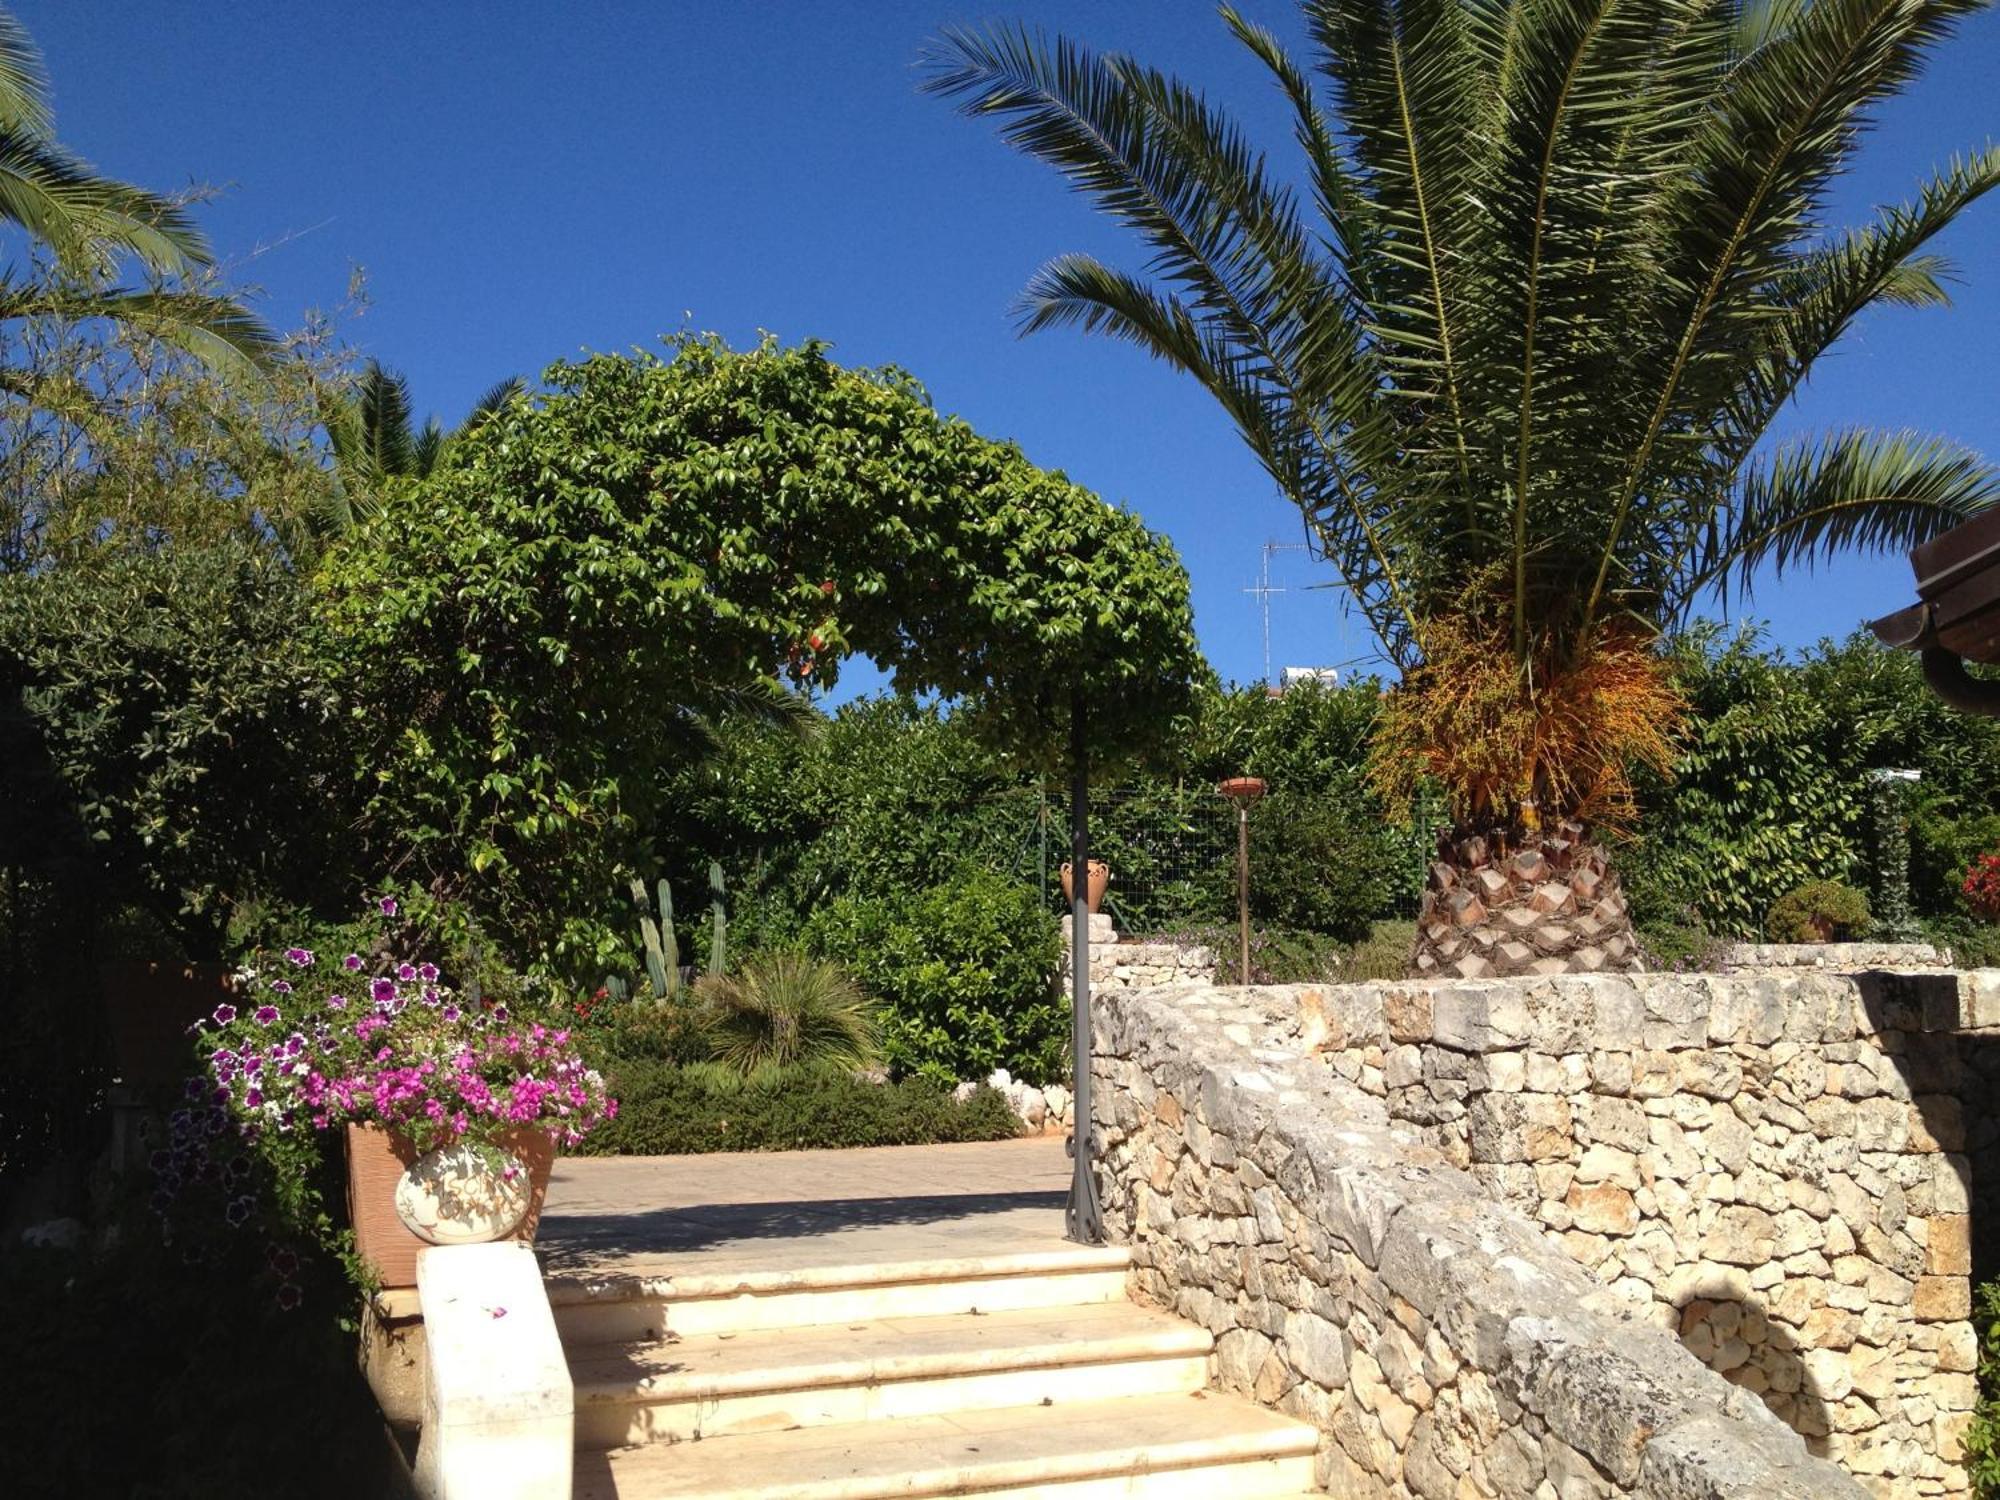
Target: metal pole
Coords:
[(1083, 1221), (1243, 888)]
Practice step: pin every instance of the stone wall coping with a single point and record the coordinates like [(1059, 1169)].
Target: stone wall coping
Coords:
[(1614, 1388), (499, 1407), (1837, 956)]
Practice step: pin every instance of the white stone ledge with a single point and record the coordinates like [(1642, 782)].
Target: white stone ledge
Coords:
[(499, 1409)]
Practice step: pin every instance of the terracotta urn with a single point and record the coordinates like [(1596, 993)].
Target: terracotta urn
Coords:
[(1094, 887)]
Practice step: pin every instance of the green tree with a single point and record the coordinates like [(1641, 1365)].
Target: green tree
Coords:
[(1557, 269), (375, 439), (544, 628)]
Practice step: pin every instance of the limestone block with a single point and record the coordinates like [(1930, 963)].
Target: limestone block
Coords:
[(498, 1403)]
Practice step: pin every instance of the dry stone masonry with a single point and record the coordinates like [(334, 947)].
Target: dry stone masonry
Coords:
[(1771, 1174), (1356, 1278), (1116, 965)]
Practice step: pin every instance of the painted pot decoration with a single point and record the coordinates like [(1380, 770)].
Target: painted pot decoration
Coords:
[(463, 1194), (1094, 887)]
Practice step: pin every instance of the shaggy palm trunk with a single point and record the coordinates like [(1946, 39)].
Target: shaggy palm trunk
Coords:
[(1506, 902)]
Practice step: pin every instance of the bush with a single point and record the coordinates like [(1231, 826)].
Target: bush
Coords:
[(1982, 1437), (964, 972), (784, 1010), (1679, 946), (1800, 914), (1319, 862), (669, 1110), (1383, 954)]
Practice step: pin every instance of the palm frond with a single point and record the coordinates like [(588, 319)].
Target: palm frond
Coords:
[(24, 80), (1854, 490)]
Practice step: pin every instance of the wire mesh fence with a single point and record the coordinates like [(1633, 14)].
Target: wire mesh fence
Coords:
[(1171, 851)]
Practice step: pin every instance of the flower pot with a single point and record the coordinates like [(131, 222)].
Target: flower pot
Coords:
[(1094, 886), (376, 1162), (462, 1195), (149, 1006)]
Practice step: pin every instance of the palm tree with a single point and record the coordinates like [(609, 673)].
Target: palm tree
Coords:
[(89, 225), (374, 439), (1512, 349)]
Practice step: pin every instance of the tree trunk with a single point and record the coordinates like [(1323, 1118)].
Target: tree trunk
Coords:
[(1506, 901)]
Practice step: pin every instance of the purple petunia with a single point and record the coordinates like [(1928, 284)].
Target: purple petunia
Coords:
[(301, 956), (407, 972), (388, 906), (352, 963), (239, 1212), (288, 1297), (281, 986), (428, 973), (432, 996), (336, 1002), (451, 1012), (254, 1099), (224, 1014), (382, 991), (265, 1015)]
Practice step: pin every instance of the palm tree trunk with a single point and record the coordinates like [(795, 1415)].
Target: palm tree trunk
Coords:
[(1505, 901)]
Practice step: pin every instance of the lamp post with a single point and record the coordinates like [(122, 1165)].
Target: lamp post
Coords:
[(1242, 790)]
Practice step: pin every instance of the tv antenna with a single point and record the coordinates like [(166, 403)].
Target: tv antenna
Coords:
[(1263, 590)]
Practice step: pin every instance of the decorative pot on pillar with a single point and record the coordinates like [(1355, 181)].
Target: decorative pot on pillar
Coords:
[(442, 1196), (1098, 881)]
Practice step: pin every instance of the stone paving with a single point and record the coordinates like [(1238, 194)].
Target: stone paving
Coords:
[(654, 1216)]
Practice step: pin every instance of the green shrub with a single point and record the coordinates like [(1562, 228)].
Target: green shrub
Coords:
[(669, 1110), (1982, 1437), (1319, 862), (1383, 954), (965, 973), (1972, 944), (1679, 946), (1798, 915), (784, 1010)]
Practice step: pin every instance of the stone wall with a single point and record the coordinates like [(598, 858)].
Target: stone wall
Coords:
[(1356, 1278), (1771, 1166), (1116, 965), (1846, 958)]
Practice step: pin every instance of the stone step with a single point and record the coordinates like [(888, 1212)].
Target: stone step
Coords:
[(642, 1309), (710, 1385), (1201, 1446)]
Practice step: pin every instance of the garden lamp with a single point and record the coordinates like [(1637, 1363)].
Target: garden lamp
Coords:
[(1243, 790)]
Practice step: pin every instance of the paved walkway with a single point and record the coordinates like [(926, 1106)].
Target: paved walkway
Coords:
[(756, 1211)]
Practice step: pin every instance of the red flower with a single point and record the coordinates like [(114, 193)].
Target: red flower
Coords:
[(827, 587), (818, 640)]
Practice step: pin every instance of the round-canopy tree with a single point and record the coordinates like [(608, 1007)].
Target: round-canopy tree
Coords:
[(1567, 267), (545, 623)]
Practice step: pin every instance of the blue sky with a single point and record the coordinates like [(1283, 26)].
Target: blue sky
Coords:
[(521, 183)]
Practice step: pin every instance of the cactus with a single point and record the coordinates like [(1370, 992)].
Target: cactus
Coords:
[(718, 916), (616, 989), (663, 953)]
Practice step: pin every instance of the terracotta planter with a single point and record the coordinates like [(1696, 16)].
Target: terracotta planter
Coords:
[(376, 1159), (1094, 887), (149, 1006), (1243, 789)]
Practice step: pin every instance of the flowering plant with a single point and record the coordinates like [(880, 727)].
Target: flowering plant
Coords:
[(1982, 887), (316, 1044)]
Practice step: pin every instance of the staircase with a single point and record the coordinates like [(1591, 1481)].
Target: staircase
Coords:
[(1003, 1375)]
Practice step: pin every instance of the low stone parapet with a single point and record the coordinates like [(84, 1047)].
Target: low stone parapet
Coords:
[(1354, 1277), (1842, 957)]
